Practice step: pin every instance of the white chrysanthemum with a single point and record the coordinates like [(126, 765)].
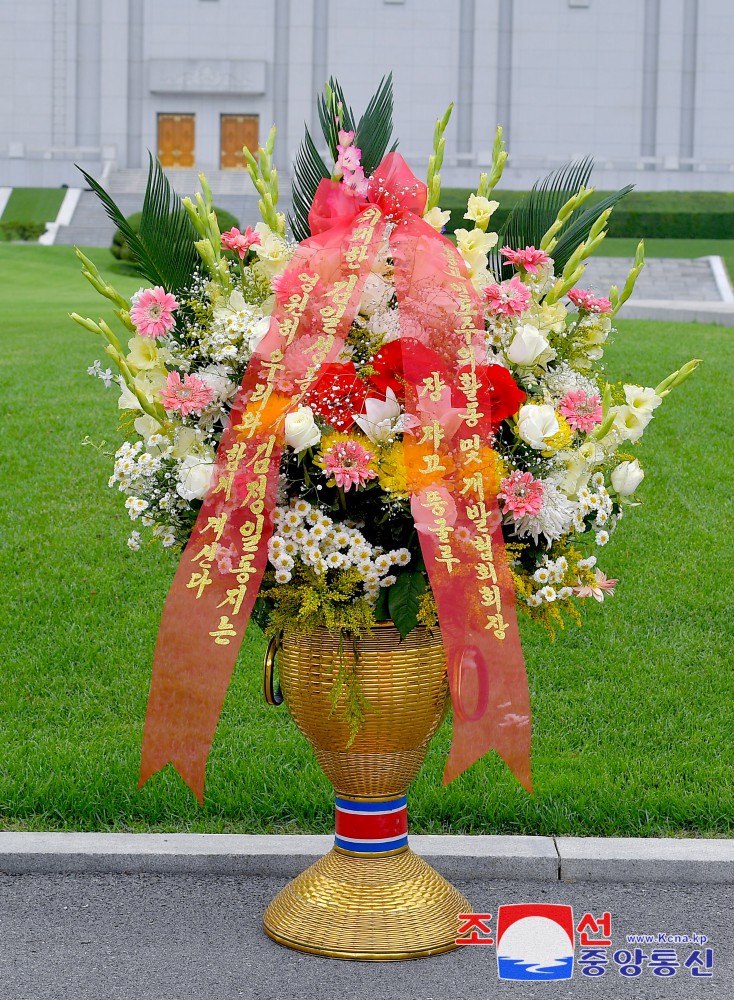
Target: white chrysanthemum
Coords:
[(534, 601), (133, 542), (548, 594), (554, 519), (602, 537), (541, 575), (587, 563), (563, 379)]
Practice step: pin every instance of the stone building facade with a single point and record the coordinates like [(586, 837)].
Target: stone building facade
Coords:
[(645, 86)]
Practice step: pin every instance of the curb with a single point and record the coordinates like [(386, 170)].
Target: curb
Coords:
[(568, 859), (680, 311)]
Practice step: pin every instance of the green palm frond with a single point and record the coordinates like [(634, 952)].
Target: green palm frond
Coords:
[(308, 172), (163, 250), (532, 217), (373, 133)]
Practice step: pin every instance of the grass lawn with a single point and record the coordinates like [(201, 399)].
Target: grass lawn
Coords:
[(33, 205), (632, 730)]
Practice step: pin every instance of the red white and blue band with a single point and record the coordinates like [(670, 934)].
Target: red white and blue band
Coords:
[(374, 827)]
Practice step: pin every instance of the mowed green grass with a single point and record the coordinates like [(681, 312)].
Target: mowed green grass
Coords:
[(33, 205), (632, 714)]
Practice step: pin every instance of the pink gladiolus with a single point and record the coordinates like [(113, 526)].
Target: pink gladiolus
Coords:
[(349, 158), (238, 242), (357, 182), (152, 312), (348, 462), (511, 298), (582, 412), (530, 259), (585, 301), (189, 396), (597, 588), (345, 139), (523, 495)]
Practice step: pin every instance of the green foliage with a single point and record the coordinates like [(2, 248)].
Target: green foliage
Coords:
[(120, 248), (163, 247), (404, 600), (677, 215), (371, 134), (530, 220), (20, 230)]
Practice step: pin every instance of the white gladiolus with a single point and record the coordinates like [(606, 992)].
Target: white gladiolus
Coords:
[(643, 400), (436, 218), (301, 431), (536, 423), (630, 422), (527, 346), (627, 477), (194, 477)]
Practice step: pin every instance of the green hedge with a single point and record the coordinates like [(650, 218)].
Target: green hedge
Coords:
[(20, 230), (121, 250), (642, 214)]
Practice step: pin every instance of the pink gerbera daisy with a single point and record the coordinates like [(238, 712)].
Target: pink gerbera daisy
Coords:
[(529, 259), (523, 495), (189, 396), (582, 412), (152, 312), (511, 298), (349, 464), (585, 301), (238, 242)]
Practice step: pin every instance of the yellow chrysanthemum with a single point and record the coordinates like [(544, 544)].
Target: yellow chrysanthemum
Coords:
[(561, 439), (391, 472)]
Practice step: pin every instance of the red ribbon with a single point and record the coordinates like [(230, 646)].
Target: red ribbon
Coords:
[(218, 578)]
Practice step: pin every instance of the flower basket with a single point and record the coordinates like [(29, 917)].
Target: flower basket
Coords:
[(371, 897)]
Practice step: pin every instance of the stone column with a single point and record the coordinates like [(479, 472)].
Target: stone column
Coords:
[(135, 84), (465, 109), (281, 58), (504, 66), (319, 61), (651, 44), (688, 82), (88, 76)]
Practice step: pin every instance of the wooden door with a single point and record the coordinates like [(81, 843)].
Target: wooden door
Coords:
[(176, 140), (238, 131)]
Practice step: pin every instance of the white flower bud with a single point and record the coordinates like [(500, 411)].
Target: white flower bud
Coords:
[(627, 477), (301, 431)]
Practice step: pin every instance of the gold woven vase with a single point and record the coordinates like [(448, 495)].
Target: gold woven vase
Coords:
[(370, 897)]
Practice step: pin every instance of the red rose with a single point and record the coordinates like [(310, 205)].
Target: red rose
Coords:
[(337, 395), (389, 367)]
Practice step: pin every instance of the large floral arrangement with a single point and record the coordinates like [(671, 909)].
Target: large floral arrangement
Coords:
[(344, 546), (344, 549)]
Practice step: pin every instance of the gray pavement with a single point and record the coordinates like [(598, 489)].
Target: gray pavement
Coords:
[(185, 937)]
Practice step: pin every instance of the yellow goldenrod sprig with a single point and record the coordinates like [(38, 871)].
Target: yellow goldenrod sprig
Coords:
[(265, 178), (617, 299), (435, 160)]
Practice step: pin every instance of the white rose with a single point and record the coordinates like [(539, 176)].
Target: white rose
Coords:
[(375, 295), (536, 423), (627, 477), (527, 346), (301, 431), (194, 477)]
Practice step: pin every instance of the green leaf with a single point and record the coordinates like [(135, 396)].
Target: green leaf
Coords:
[(163, 250), (308, 172), (532, 217), (373, 133), (404, 599)]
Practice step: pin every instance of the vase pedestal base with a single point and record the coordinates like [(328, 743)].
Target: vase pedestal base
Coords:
[(369, 908)]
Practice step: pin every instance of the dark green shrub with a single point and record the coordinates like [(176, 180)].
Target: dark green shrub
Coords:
[(121, 250), (17, 229)]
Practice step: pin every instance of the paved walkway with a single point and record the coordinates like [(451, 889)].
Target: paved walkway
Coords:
[(187, 937)]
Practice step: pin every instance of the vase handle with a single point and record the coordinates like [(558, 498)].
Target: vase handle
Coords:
[(272, 695)]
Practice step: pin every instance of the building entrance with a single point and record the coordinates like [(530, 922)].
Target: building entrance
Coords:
[(238, 131), (176, 140)]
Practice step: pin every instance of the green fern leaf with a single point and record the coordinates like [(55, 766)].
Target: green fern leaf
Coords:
[(308, 171)]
